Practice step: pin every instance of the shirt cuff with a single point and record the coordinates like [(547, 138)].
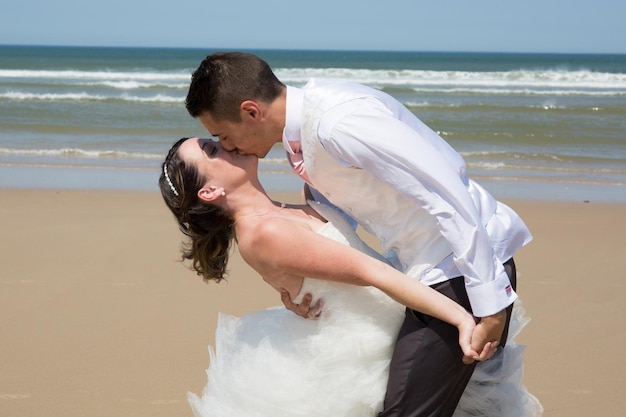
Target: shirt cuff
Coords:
[(492, 297)]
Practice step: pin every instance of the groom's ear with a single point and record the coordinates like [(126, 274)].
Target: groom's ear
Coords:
[(251, 109), (210, 193)]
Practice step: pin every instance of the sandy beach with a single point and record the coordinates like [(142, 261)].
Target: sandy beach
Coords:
[(98, 317)]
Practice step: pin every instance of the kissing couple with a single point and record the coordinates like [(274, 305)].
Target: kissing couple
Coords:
[(372, 335)]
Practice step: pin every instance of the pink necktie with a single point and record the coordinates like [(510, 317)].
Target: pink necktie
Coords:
[(297, 161)]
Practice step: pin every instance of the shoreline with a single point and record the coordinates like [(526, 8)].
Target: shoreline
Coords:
[(144, 179), (99, 317)]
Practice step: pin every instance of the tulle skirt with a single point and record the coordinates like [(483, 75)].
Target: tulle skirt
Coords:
[(273, 364)]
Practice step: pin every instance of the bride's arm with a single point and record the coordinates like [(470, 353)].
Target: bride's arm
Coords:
[(278, 250)]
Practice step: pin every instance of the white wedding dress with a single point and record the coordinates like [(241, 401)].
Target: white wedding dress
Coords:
[(273, 363)]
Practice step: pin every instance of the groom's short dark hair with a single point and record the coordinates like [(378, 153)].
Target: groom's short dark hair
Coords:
[(226, 79)]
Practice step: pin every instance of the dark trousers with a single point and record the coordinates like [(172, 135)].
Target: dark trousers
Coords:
[(427, 375)]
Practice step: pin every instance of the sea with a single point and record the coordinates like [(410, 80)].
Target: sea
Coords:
[(530, 126)]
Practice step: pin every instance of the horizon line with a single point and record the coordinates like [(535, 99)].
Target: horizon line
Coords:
[(286, 49)]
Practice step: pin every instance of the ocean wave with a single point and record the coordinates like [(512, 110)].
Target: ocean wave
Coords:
[(558, 82), (484, 160), (507, 161), (519, 175), (180, 97), (531, 80), (552, 180), (79, 153), (77, 166), (95, 75), (84, 96), (548, 105), (135, 85), (84, 153), (503, 166), (520, 91)]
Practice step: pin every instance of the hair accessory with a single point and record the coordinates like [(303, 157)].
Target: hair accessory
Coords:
[(169, 181)]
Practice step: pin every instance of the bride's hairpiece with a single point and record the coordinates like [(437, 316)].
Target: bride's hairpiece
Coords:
[(169, 181)]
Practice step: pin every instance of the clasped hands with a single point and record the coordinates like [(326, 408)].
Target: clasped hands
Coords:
[(485, 337), (484, 341)]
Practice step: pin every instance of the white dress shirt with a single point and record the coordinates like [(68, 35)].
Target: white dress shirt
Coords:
[(375, 160)]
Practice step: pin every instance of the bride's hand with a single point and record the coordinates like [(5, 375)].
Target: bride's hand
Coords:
[(466, 329), (303, 309)]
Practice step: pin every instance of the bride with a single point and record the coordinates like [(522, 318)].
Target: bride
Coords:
[(274, 363)]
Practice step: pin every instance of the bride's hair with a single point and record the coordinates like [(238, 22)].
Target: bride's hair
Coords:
[(208, 227)]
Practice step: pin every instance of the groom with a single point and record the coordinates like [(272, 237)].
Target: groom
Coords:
[(370, 156)]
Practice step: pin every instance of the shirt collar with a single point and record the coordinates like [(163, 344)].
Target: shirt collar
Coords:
[(291, 132)]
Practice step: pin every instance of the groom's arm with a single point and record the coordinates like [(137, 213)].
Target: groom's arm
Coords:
[(310, 193), (369, 137)]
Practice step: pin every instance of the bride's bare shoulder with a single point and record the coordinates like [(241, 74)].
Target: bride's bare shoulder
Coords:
[(257, 237)]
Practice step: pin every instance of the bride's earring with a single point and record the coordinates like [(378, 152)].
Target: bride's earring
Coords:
[(223, 193)]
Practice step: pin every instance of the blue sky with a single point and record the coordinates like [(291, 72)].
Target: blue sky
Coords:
[(414, 25)]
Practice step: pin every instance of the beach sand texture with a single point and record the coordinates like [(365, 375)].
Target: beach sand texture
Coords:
[(98, 317)]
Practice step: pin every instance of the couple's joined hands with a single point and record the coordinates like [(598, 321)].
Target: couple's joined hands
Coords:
[(486, 336), (478, 341)]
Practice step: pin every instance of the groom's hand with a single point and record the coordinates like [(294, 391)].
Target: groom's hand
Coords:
[(303, 309), (487, 335)]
